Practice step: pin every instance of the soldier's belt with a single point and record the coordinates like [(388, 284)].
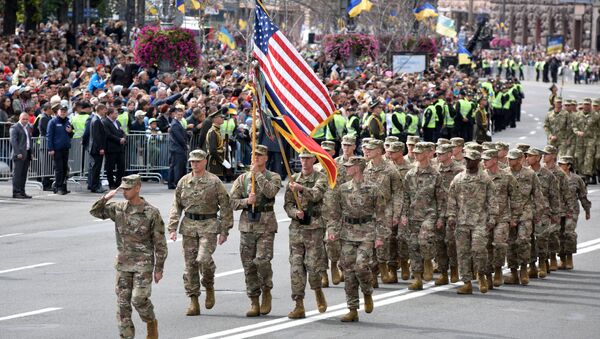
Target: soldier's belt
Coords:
[(259, 209), (357, 221), (198, 217)]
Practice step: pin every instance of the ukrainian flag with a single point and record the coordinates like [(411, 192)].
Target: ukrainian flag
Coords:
[(464, 57), (445, 26), (425, 11), (226, 38), (180, 4), (358, 6)]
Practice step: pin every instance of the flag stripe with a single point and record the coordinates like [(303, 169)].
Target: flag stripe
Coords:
[(279, 109)]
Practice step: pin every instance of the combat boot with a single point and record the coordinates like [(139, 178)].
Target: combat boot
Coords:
[(351, 316), (405, 269), (341, 275), (335, 273), (453, 274), (392, 275), (254, 310), (152, 329), (368, 303), (209, 302), (442, 280), (593, 180), (563, 262), (467, 288), (384, 271), (324, 279), (533, 271), (298, 311), (569, 265), (483, 287), (265, 306), (417, 284), (542, 269), (490, 281), (498, 278), (427, 270), (513, 278), (194, 308), (321, 302), (524, 275)]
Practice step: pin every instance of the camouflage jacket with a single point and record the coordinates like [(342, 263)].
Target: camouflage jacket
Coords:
[(578, 192), (423, 194), (531, 193), (403, 169), (472, 200), (311, 199), (203, 195), (564, 193), (550, 192), (391, 185), (342, 176), (267, 185), (140, 232), (447, 173), (507, 195)]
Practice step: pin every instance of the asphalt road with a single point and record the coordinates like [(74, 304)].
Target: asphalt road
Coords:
[(57, 278)]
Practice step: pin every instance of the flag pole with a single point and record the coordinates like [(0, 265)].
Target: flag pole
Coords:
[(287, 167), (253, 148)]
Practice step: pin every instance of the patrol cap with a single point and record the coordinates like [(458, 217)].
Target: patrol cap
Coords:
[(488, 145), (374, 143), (397, 146), (306, 154), (596, 102), (535, 151), (328, 145), (558, 99), (197, 155), (489, 154), (523, 147), (130, 181), (570, 102), (430, 145), (457, 142), (445, 148), (348, 140), (365, 141), (501, 145), (549, 149), (443, 141), (566, 159), (587, 101), (412, 140), (356, 160), (390, 139), (515, 153), (472, 154), (474, 146), (420, 147), (261, 150)]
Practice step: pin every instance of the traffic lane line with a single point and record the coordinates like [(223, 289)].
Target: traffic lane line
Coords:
[(340, 309), (26, 267), (27, 314), (10, 235)]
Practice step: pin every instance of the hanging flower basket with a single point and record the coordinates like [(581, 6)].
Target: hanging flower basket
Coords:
[(501, 43), (170, 49), (350, 46)]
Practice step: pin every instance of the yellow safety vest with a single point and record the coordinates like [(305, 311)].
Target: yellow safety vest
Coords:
[(78, 123), (124, 120), (340, 123), (228, 127)]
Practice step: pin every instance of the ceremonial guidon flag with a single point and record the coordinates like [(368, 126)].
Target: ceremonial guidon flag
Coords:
[(292, 90)]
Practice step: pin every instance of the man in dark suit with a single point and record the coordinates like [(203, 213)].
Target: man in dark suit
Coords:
[(96, 142), (20, 142), (115, 148), (177, 149)]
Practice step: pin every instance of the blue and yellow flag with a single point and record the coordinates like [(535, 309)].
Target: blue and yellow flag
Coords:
[(425, 11), (464, 57), (445, 26), (196, 4), (180, 4), (243, 24), (358, 6), (225, 37)]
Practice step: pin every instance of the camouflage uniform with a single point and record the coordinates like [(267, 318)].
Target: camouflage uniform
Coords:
[(141, 249), (553, 123), (257, 230), (568, 237), (401, 246), (306, 241), (200, 198), (356, 217)]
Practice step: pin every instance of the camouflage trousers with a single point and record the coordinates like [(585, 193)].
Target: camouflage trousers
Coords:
[(589, 160), (197, 253), (471, 242), (539, 239), (133, 288), (519, 244), (566, 149), (398, 247), (333, 249), (497, 246), (451, 248), (356, 259), (306, 259), (256, 252), (579, 156), (441, 249), (554, 236), (568, 237), (420, 236)]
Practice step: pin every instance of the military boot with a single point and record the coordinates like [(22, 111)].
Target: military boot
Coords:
[(513, 278), (563, 262), (368, 303), (351, 316), (498, 278), (324, 279), (384, 271), (467, 288), (542, 269), (593, 180), (569, 265), (321, 302), (417, 284), (442, 280), (427, 270), (254, 310), (453, 274), (533, 271), (265, 306), (483, 287), (335, 273), (194, 308), (298, 311), (152, 329), (405, 269), (392, 275), (524, 275), (209, 302), (341, 275), (490, 281)]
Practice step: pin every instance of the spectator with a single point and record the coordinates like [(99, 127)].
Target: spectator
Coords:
[(177, 149), (58, 139), (115, 149)]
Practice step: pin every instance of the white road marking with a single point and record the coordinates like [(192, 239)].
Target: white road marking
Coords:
[(26, 314), (26, 267), (536, 119), (224, 274), (10, 235), (522, 138), (592, 191), (340, 309), (532, 132)]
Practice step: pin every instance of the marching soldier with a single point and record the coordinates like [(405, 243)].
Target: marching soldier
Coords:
[(207, 218), (457, 151), (502, 149), (411, 141), (258, 226), (329, 147)]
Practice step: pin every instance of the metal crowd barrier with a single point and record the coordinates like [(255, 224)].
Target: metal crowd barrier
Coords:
[(147, 154)]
